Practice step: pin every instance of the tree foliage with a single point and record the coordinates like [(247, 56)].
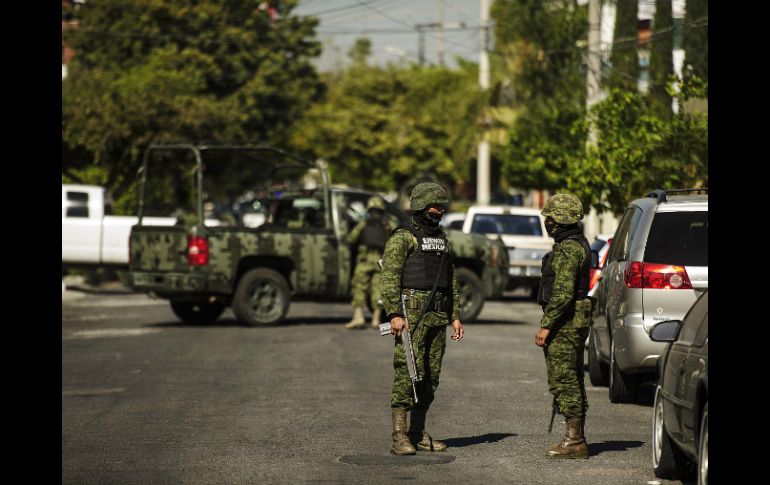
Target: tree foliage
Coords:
[(639, 149), (541, 40), (377, 126), (183, 71)]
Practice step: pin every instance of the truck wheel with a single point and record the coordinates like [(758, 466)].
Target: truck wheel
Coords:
[(622, 386), (261, 297), (471, 294), (197, 312), (597, 371)]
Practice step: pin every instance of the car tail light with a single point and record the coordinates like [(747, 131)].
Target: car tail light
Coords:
[(197, 251), (656, 276)]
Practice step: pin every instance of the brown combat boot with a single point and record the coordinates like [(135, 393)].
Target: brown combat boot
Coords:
[(574, 443), (418, 435), (400, 444), (376, 318), (358, 320)]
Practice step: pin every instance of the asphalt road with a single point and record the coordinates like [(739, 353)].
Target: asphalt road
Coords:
[(148, 399)]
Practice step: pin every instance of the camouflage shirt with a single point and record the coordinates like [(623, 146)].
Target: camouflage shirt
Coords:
[(568, 257), (399, 246), (355, 235)]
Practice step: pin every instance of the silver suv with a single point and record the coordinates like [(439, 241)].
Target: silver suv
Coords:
[(656, 269)]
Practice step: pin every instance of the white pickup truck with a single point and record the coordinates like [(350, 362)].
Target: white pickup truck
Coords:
[(90, 234), (522, 230)]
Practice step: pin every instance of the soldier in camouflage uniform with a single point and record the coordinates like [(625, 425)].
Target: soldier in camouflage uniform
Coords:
[(370, 235), (566, 319), (416, 260)]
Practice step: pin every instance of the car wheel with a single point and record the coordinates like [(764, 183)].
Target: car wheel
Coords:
[(197, 312), (703, 448), (622, 386), (261, 297), (597, 370), (667, 460), (471, 294)]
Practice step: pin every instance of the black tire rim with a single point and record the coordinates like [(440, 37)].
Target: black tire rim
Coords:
[(265, 300), (657, 429)]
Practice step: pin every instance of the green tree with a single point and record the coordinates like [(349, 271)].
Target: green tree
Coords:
[(696, 40), (542, 44), (378, 126), (624, 59), (661, 61), (179, 70), (639, 150), (360, 51)]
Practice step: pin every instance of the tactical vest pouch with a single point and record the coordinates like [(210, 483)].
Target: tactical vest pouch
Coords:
[(584, 310)]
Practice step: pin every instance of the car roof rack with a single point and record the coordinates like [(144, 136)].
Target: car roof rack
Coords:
[(660, 195)]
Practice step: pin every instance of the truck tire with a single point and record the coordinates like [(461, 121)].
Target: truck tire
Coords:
[(197, 312), (471, 294), (597, 370), (261, 297), (667, 460), (622, 386)]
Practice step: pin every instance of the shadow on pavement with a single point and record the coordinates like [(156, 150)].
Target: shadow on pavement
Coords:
[(597, 448), (477, 440)]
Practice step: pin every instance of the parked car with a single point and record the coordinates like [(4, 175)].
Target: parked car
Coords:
[(601, 245), (522, 230), (680, 420), (90, 234), (656, 268), (453, 220)]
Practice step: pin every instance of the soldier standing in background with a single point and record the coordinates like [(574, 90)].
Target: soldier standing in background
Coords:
[(370, 234), (566, 319), (416, 261)]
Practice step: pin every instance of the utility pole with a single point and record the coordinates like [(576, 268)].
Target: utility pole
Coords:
[(440, 47), (420, 28), (678, 12), (482, 160), (594, 64)]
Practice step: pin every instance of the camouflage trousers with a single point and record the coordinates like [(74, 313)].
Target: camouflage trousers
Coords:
[(564, 363), (428, 344), (366, 280)]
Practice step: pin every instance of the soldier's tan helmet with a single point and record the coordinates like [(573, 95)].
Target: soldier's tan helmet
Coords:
[(375, 203), (564, 209), (427, 193)]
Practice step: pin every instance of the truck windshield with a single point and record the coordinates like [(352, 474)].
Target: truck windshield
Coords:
[(519, 225)]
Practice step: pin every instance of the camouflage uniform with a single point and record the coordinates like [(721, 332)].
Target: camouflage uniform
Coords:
[(568, 320), (428, 336), (366, 277)]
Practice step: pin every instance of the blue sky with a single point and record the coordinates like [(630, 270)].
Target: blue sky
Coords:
[(343, 21)]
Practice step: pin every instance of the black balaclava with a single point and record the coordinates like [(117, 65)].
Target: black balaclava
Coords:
[(429, 222), (375, 213), (561, 232)]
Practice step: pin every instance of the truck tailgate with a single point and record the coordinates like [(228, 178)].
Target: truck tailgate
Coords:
[(158, 249)]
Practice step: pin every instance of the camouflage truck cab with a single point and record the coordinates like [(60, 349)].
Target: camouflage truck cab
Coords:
[(279, 237)]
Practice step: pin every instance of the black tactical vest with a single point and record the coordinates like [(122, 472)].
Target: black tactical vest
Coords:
[(548, 276), (422, 266), (374, 234)]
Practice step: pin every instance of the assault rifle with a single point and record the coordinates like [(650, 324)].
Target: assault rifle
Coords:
[(406, 340)]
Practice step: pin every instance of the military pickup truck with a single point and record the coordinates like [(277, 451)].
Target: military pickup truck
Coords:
[(285, 240)]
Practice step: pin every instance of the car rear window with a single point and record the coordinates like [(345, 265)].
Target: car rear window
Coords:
[(507, 224), (679, 238)]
